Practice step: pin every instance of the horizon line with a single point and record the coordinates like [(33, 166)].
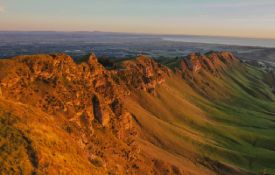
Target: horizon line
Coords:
[(139, 33)]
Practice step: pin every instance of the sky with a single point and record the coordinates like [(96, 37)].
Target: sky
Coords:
[(242, 18)]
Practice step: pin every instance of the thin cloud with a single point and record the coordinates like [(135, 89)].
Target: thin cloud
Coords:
[(249, 4), (2, 9)]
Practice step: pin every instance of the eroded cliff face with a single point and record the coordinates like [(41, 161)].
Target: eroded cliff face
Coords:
[(143, 73), (57, 85), (213, 62)]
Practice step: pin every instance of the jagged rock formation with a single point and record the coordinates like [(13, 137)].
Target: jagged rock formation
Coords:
[(142, 73), (57, 85), (213, 62), (75, 93)]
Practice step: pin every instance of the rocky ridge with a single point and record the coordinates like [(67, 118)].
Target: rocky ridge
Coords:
[(143, 73), (88, 97), (195, 67), (213, 62), (59, 86), (85, 96)]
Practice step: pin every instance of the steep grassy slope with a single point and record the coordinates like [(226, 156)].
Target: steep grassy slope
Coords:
[(231, 130)]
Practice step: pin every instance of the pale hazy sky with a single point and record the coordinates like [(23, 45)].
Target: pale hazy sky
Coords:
[(247, 18)]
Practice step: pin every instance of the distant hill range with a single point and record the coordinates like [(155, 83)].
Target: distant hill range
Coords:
[(126, 45), (199, 114)]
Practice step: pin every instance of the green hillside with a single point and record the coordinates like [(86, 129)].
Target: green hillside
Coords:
[(231, 130)]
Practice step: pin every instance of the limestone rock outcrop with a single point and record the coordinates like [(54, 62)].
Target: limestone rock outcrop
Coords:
[(213, 62), (143, 73), (59, 86)]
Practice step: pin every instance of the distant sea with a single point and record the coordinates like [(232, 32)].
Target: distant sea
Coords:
[(223, 40), (124, 45)]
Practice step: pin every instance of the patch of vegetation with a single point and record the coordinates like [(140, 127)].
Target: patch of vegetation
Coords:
[(85, 58), (172, 63), (97, 161), (16, 153), (108, 63)]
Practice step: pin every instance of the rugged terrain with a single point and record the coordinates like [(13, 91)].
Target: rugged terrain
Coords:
[(201, 114)]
